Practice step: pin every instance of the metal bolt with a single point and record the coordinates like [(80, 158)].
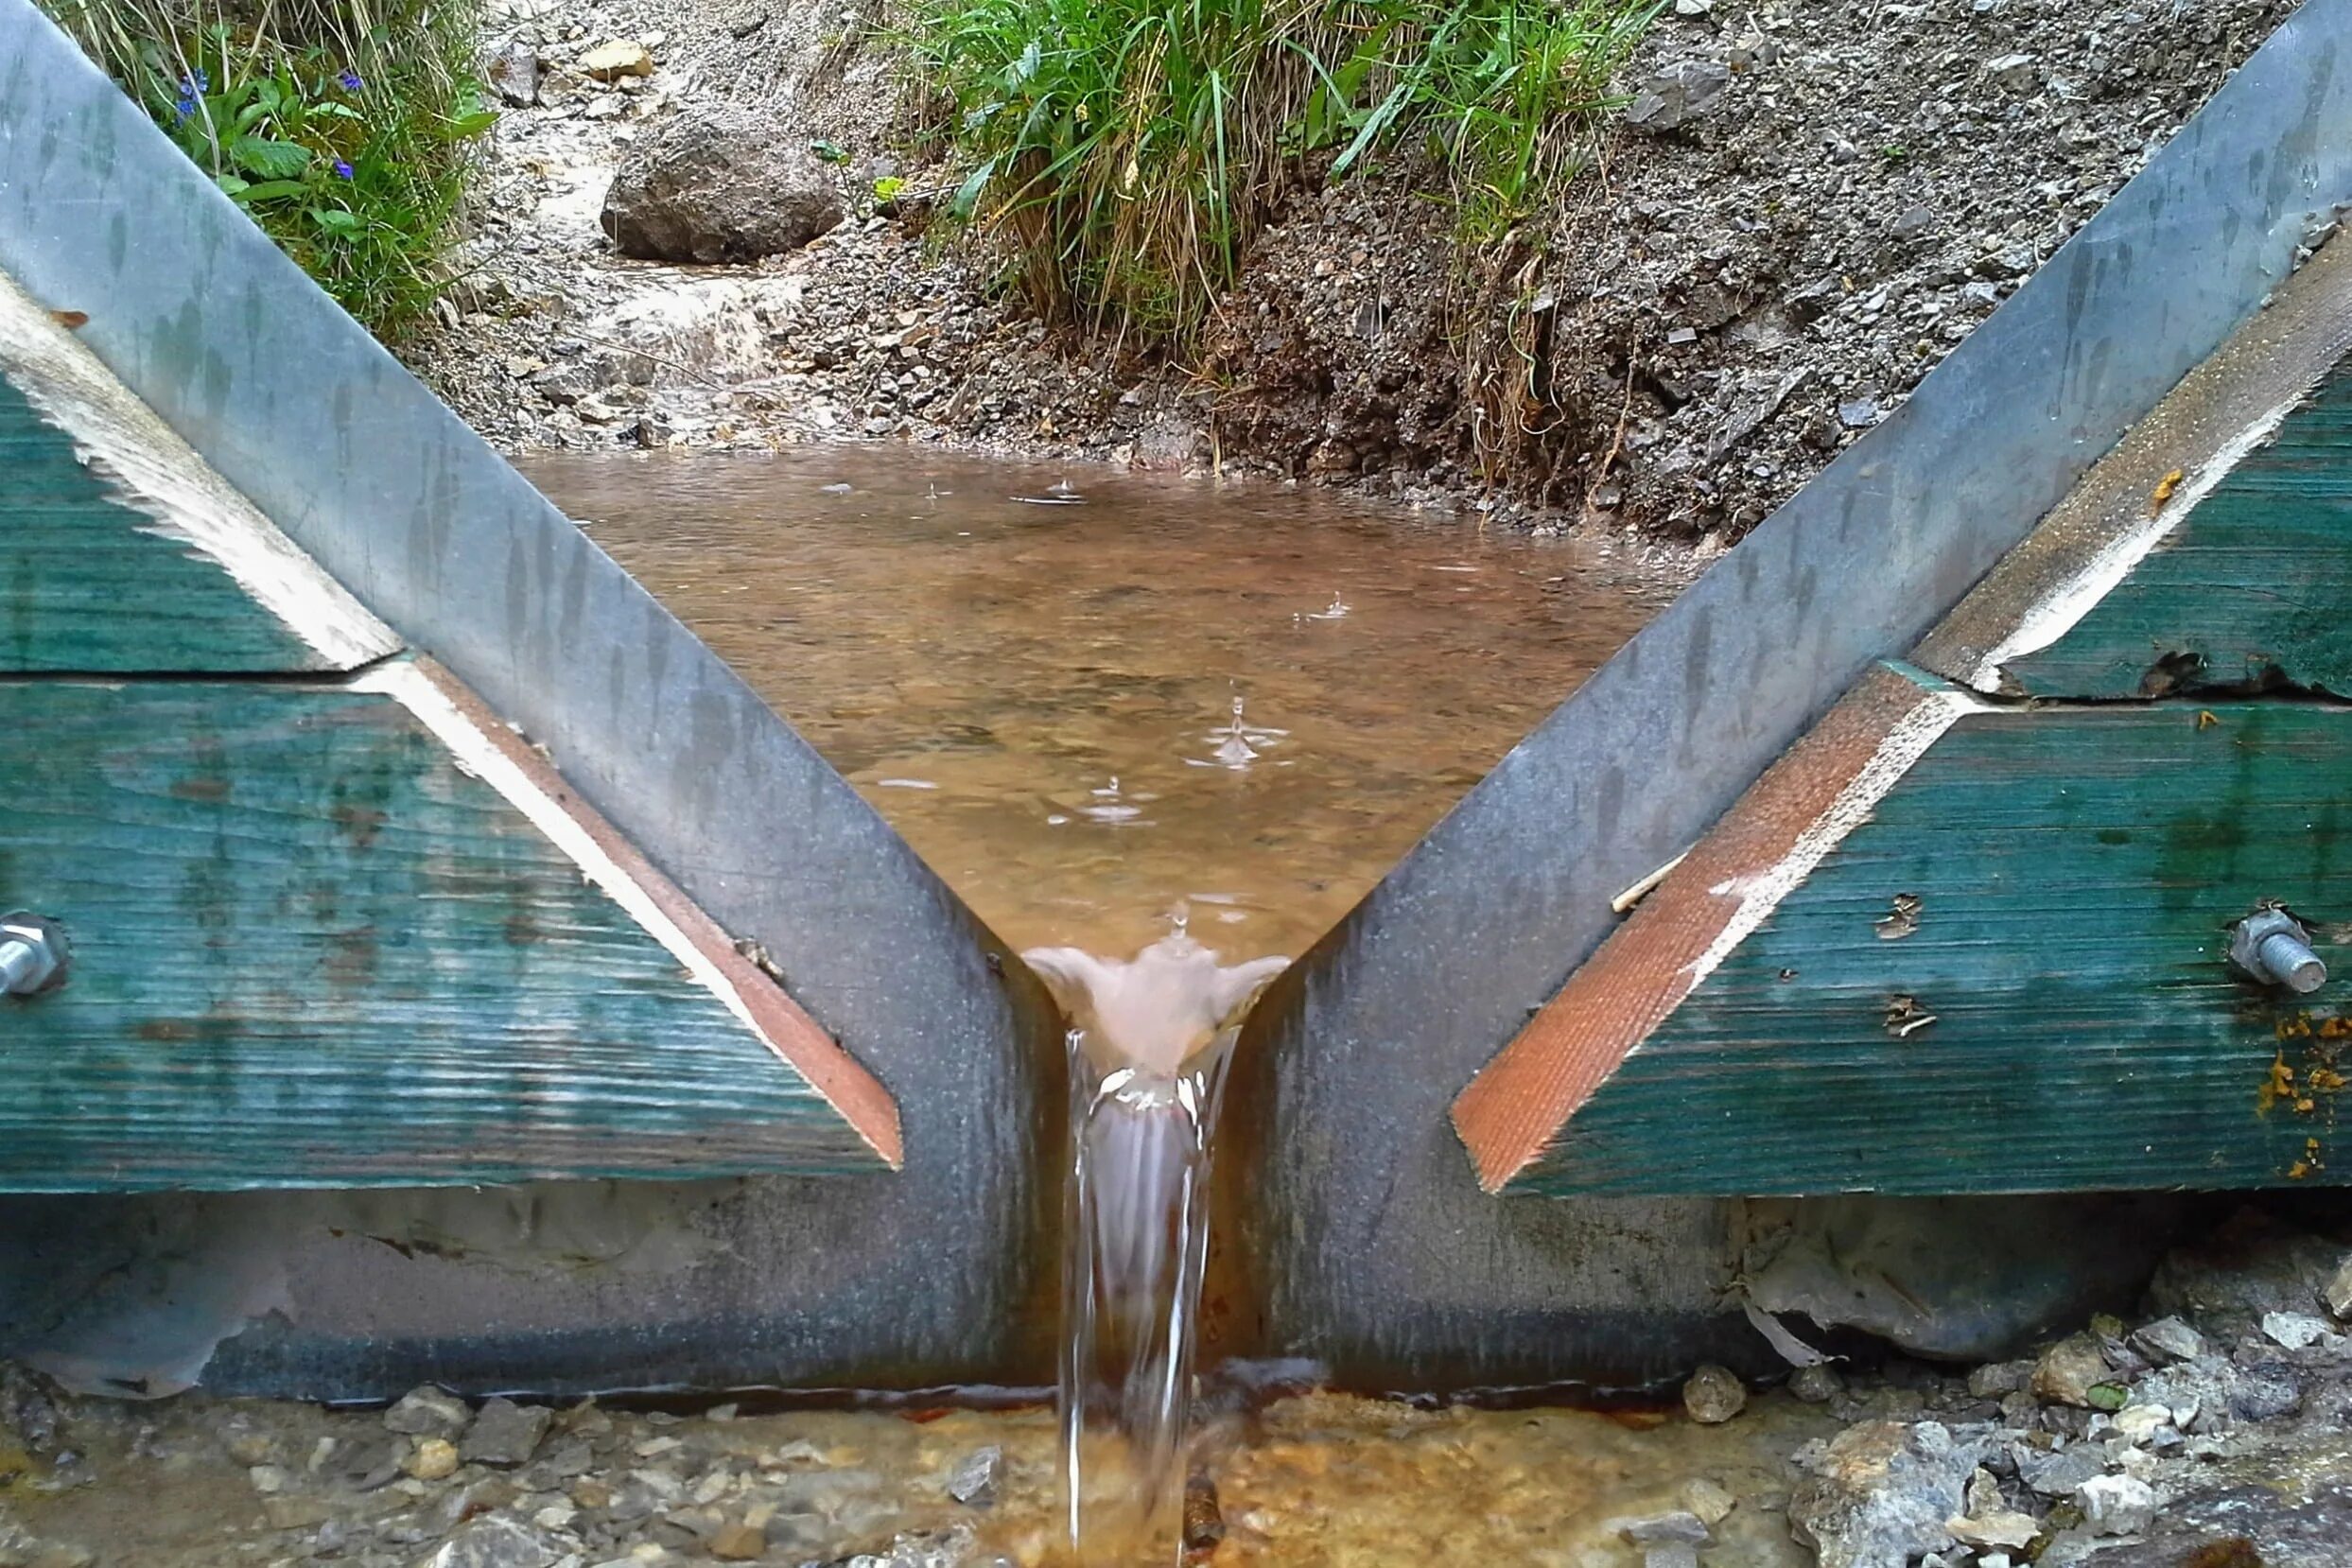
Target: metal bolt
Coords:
[(33, 954), (2272, 947)]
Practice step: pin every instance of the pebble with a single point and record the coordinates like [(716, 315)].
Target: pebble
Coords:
[(739, 1542), (1857, 413), (1815, 1384), (1680, 1525), (619, 58), (1996, 1378), (2336, 1294), (1710, 1500), (505, 1433), (2070, 1371), (494, 1543), (2117, 1504), (435, 1459), (2296, 1330), (974, 1481), (1714, 1395), (427, 1412), (2168, 1341)]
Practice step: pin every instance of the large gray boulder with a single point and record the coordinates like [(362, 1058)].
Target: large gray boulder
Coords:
[(713, 186)]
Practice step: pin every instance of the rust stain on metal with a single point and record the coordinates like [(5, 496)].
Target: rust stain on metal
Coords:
[(786, 1027), (1523, 1099)]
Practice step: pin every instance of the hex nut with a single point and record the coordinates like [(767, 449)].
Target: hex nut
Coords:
[(33, 954)]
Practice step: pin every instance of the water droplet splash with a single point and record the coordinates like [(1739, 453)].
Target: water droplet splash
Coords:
[(1238, 743), (1110, 806)]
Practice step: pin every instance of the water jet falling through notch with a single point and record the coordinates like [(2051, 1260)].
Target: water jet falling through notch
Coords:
[(1149, 1042)]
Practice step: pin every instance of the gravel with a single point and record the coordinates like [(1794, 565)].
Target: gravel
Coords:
[(1802, 209)]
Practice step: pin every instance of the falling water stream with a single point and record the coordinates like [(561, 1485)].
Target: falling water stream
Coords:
[(1121, 716)]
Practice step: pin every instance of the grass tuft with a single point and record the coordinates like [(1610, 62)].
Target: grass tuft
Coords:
[(1130, 148), (347, 128)]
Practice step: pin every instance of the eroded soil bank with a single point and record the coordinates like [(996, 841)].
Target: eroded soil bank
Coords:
[(1804, 207)]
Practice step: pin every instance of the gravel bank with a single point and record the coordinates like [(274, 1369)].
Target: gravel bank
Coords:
[(1802, 209)]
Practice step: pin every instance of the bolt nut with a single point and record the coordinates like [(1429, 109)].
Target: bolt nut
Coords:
[(33, 954), (2270, 946)]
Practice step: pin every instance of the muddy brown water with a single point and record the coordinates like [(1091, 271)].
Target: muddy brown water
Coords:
[(984, 667)]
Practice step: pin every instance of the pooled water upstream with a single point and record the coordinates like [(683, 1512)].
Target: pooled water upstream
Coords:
[(1122, 717)]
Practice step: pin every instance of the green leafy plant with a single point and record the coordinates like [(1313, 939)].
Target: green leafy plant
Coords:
[(1129, 149), (348, 133)]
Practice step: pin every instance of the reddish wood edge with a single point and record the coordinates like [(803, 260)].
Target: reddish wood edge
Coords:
[(1761, 850), (781, 1022)]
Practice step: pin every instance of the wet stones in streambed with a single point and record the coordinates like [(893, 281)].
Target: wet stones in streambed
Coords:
[(504, 1433), (1882, 1492)]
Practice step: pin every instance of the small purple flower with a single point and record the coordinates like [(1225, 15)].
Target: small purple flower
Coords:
[(342, 170), (351, 81), (194, 83), (186, 107)]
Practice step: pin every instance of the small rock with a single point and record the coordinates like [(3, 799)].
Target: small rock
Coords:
[(2058, 1475), (974, 1481), (739, 1542), (1677, 96), (1881, 1493), (494, 1543), (2336, 1294), (2117, 1504), (2296, 1330), (505, 1433), (435, 1459), (268, 1479), (1679, 1526), (1995, 1379), (2014, 72), (746, 26), (2264, 1391), (296, 1513), (1711, 1501), (1989, 1520), (1858, 412), (513, 71), (1815, 1384), (2070, 1371), (1714, 1395), (1911, 223), (1670, 1554), (1204, 1519), (620, 58), (427, 1412), (2137, 1423), (2168, 1341)]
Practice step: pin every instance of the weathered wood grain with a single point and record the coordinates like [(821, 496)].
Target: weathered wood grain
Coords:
[(310, 949), (121, 551), (2254, 585), (2076, 872)]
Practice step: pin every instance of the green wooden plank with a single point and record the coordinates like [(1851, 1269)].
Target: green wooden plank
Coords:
[(88, 583), (2077, 872), (2254, 585), (309, 949)]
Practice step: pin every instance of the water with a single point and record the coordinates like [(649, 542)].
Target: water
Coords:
[(1099, 706), (1248, 701)]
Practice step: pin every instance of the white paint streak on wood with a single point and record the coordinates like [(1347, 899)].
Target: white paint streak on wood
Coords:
[(477, 754), (1760, 893), (150, 469), (2062, 607)]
